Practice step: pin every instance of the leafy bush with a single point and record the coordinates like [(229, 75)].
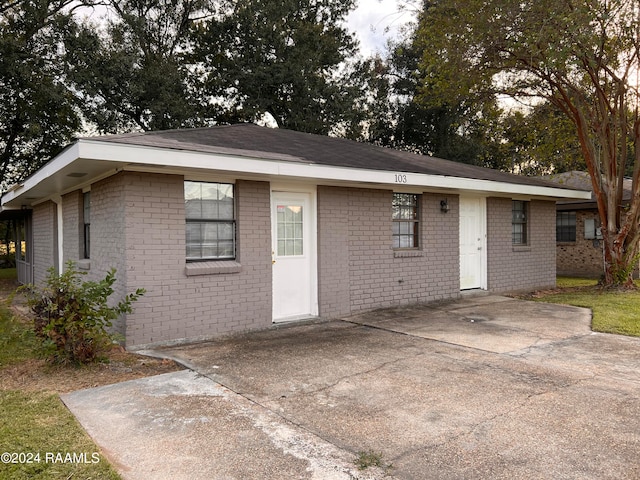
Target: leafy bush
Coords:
[(72, 316)]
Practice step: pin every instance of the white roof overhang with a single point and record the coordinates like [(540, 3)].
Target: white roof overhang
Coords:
[(87, 161)]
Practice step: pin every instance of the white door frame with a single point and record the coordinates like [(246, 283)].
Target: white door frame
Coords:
[(481, 241), (310, 243)]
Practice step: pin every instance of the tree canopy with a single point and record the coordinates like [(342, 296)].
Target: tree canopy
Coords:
[(131, 73), (288, 59), (581, 56), (38, 114)]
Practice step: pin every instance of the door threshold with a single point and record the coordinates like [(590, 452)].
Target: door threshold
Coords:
[(473, 292), (295, 318)]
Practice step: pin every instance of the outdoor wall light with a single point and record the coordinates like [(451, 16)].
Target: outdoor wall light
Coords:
[(444, 205)]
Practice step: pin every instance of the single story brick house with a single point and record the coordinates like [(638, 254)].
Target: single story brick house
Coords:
[(578, 238), (232, 228)]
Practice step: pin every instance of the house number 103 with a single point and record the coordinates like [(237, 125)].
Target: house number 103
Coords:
[(401, 178)]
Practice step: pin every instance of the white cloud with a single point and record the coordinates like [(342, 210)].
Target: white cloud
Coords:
[(376, 21)]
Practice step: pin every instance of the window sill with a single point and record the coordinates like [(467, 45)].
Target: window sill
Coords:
[(522, 248), (214, 267), (84, 264), (407, 253)]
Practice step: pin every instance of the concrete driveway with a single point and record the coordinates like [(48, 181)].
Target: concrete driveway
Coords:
[(481, 388)]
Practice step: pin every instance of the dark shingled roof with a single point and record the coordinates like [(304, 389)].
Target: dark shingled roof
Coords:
[(280, 144), (582, 181)]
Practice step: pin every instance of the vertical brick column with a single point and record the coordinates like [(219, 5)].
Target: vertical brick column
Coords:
[(72, 219), (333, 252), (44, 240)]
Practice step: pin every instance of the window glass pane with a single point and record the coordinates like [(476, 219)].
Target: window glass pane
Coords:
[(86, 214), (209, 209), (193, 208), (209, 191), (404, 212), (209, 233), (289, 227), (225, 208), (225, 231), (194, 233), (566, 226), (519, 222), (210, 228), (87, 207), (210, 250), (225, 249)]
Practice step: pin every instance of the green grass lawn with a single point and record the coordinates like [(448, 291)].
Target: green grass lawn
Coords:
[(613, 311), (36, 426)]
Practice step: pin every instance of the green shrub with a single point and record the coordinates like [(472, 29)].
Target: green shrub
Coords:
[(72, 316)]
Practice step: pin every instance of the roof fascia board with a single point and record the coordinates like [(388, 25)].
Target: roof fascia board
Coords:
[(65, 158), (141, 156), (163, 157)]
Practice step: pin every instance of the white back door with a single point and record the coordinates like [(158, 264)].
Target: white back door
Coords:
[(472, 243), (293, 254)]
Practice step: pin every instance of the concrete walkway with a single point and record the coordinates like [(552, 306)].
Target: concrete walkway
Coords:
[(482, 388)]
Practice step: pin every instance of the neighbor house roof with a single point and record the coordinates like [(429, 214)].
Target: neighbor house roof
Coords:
[(250, 151), (582, 180)]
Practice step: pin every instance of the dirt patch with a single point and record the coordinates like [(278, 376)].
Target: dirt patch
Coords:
[(37, 375), (120, 366)]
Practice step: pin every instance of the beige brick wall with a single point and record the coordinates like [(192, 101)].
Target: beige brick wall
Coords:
[(178, 306), (108, 247), (582, 257), (138, 228), (45, 242), (357, 267), (510, 267), (72, 207)]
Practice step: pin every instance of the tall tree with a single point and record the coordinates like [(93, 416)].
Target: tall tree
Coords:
[(287, 59), (131, 74), (541, 140), (582, 56), (464, 131), (38, 113)]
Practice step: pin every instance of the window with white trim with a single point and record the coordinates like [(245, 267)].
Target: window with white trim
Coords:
[(210, 221), (405, 217)]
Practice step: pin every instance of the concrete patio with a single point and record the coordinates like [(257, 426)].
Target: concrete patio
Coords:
[(484, 387)]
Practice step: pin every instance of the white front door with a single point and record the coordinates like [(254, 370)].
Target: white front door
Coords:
[(293, 256), (472, 243)]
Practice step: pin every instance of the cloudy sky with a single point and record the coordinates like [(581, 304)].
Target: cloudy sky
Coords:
[(375, 21)]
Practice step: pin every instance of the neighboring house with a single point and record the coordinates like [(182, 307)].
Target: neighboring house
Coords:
[(232, 228), (578, 238)]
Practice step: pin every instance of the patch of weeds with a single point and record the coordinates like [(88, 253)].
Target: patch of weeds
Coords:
[(17, 339), (7, 273), (73, 317), (370, 458)]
